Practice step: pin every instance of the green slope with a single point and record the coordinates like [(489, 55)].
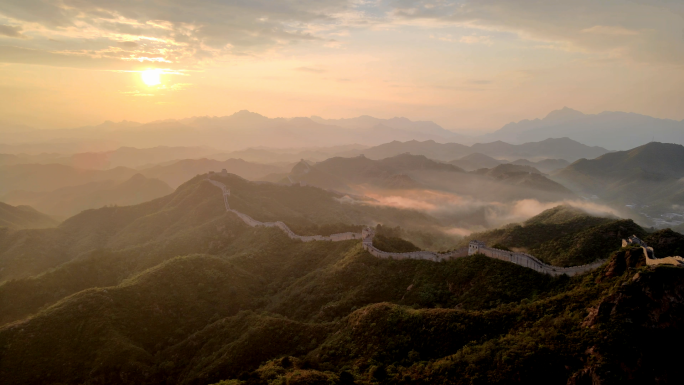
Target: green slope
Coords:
[(202, 319), (563, 236), (102, 247), (71, 200), (24, 217), (647, 175), (119, 305)]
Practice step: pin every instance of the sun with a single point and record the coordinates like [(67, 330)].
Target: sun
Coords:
[(151, 77)]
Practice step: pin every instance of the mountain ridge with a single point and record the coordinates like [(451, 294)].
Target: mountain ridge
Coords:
[(612, 130), (554, 148)]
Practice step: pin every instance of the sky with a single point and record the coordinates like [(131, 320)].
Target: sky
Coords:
[(467, 65)]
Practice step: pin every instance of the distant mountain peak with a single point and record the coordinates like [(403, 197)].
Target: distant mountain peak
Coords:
[(564, 114), (301, 168), (246, 113)]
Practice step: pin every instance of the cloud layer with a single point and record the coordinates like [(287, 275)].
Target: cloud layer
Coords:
[(442, 60), (175, 31), (197, 31)]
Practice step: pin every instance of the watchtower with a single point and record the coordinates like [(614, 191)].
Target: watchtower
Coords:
[(474, 247)]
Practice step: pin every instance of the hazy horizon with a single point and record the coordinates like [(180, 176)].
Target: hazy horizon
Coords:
[(464, 131)]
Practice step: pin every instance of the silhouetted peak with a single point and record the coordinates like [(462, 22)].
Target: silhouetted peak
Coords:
[(563, 115), (246, 114)]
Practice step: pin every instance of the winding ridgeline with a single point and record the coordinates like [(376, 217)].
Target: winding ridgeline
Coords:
[(367, 235), (177, 291)]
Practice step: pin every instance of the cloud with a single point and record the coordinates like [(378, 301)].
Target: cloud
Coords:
[(182, 30), (642, 30), (468, 39), (11, 31), (522, 210), (10, 54), (128, 44), (200, 31), (479, 82), (310, 69), (180, 86), (463, 212), (474, 39), (610, 30)]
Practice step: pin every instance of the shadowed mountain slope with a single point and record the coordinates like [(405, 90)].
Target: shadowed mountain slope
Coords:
[(563, 236), (476, 161), (191, 207), (202, 319), (342, 173), (24, 217), (48, 177), (178, 172), (555, 148), (647, 175), (508, 168), (361, 175), (177, 290), (612, 130), (106, 245), (525, 176), (545, 165), (67, 201), (240, 130)]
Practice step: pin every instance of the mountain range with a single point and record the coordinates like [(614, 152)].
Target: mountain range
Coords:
[(611, 130), (245, 129), (405, 172), (235, 132), (63, 190), (647, 178), (177, 290), (24, 217), (70, 200), (559, 148), (477, 160)]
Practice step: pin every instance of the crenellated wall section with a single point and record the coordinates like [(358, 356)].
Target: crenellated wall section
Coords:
[(281, 225), (651, 259), (367, 235), (529, 261), (367, 241)]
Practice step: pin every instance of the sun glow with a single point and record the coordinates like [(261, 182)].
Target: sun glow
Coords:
[(151, 77)]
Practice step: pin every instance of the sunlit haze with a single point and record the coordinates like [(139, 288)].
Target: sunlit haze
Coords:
[(466, 65), (341, 192)]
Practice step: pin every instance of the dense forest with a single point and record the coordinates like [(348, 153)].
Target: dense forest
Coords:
[(176, 290)]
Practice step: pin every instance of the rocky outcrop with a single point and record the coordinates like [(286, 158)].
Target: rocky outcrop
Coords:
[(622, 260), (646, 308)]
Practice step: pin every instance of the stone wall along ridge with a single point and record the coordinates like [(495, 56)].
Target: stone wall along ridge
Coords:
[(651, 259), (529, 261), (249, 221), (367, 242), (367, 235)]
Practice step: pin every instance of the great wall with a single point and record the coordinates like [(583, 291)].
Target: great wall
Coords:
[(651, 260), (474, 247)]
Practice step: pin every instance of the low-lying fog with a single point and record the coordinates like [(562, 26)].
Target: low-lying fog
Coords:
[(463, 215)]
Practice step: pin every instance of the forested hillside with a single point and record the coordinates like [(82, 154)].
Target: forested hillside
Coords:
[(24, 217), (563, 236), (177, 290)]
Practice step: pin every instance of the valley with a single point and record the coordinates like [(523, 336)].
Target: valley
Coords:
[(341, 192), (253, 301), (403, 262)]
